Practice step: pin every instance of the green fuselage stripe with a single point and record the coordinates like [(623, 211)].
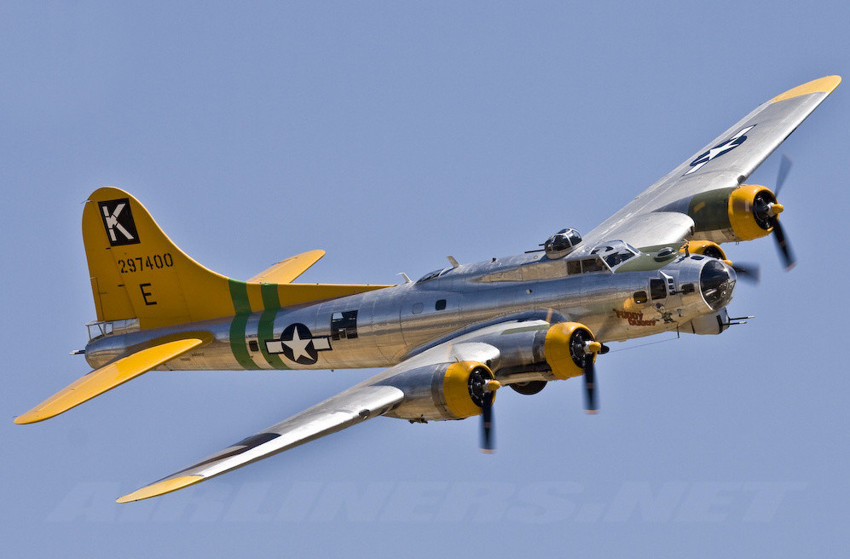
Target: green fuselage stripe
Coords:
[(271, 299), (239, 294), (265, 330), (238, 344)]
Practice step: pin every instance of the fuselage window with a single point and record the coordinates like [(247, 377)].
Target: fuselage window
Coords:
[(440, 305), (344, 325), (640, 297), (592, 265), (657, 288)]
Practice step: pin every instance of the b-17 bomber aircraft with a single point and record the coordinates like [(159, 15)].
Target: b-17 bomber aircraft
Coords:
[(450, 340)]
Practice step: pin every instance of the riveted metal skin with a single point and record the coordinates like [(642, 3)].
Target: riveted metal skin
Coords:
[(388, 329)]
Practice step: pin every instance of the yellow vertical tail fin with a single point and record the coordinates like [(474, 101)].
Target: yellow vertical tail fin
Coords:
[(137, 272)]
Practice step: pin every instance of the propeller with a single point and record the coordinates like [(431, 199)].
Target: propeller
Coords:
[(488, 395), (747, 271), (768, 212), (782, 243), (591, 348), (784, 168)]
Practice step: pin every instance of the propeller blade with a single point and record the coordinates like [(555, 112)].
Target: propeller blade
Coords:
[(487, 444), (784, 168), (590, 405), (747, 271), (782, 244)]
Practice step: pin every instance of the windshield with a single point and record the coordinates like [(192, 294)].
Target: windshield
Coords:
[(614, 253)]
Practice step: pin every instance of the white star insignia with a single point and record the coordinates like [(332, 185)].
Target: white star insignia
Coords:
[(719, 150), (298, 346)]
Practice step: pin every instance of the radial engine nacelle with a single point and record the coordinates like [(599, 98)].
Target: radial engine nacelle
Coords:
[(565, 348), (445, 391), (742, 213), (708, 248), (462, 389)]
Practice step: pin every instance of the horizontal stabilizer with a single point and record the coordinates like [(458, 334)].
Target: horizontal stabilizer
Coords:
[(287, 270), (108, 377)]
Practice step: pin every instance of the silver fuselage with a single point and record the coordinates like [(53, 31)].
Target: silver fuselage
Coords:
[(380, 328)]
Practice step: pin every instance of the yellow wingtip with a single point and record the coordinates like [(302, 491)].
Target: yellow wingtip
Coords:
[(821, 85), (160, 488)]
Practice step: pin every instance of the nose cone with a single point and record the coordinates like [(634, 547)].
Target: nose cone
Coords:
[(716, 283)]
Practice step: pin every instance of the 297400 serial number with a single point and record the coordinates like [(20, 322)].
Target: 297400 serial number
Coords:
[(141, 263)]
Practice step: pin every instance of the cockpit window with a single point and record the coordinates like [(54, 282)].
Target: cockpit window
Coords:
[(614, 253)]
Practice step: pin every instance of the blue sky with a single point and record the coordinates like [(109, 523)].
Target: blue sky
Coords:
[(392, 135)]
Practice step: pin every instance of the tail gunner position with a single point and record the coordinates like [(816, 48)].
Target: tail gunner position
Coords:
[(451, 339)]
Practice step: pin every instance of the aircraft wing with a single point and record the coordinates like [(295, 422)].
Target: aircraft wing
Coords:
[(725, 162), (505, 341), (334, 414)]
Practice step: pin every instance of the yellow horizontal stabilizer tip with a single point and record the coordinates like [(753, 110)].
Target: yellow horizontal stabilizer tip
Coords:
[(822, 85), (287, 270), (107, 377), (160, 488)]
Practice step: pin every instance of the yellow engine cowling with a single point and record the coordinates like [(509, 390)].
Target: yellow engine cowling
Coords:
[(733, 214), (444, 391), (564, 348), (708, 248), (458, 387), (745, 221)]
